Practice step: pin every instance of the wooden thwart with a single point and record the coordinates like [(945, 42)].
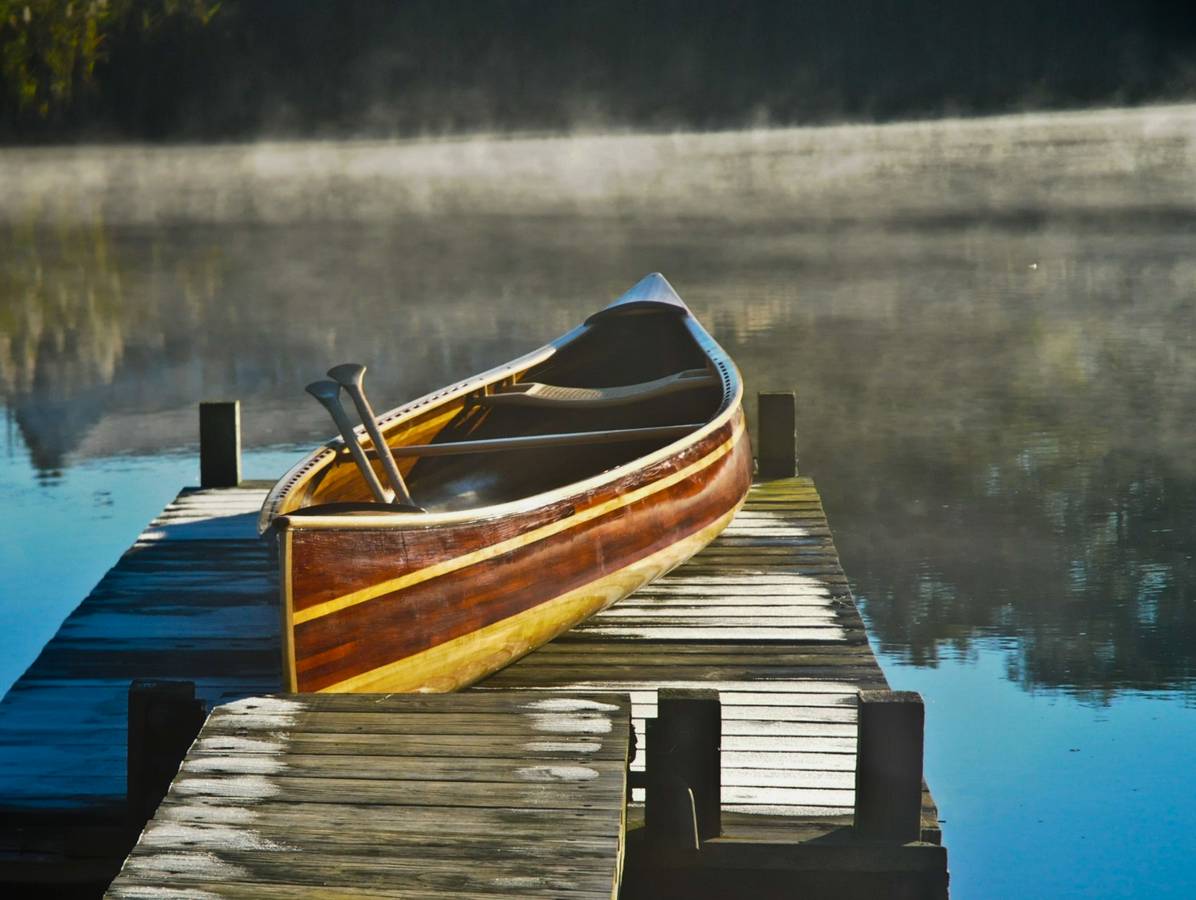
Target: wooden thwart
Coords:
[(539, 441)]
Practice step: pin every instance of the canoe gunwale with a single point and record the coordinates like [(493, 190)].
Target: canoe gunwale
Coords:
[(307, 468)]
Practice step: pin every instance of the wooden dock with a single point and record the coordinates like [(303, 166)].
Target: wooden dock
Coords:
[(194, 598), (764, 616), (417, 795)]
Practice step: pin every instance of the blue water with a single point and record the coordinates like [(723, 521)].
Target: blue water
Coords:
[(1045, 796), (60, 532), (990, 326)]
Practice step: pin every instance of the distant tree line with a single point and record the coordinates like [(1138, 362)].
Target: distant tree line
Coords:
[(199, 69), (50, 49)]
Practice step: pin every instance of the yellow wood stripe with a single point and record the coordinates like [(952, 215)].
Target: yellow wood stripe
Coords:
[(463, 660), (538, 534), (290, 679)]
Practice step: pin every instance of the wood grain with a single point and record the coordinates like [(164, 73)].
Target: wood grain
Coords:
[(765, 616), (248, 808), (194, 598), (546, 555)]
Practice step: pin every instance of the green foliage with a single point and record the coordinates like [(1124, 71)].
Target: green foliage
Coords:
[(49, 48)]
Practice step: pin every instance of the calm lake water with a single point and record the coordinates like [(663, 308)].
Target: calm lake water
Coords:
[(990, 325)]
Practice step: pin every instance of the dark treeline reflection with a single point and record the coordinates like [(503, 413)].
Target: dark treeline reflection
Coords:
[(109, 334), (386, 68), (991, 328)]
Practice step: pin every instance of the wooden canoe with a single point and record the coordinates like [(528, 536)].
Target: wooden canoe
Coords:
[(524, 533)]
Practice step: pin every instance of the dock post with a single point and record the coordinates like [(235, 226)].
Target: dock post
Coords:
[(220, 444), (777, 428), (683, 804), (164, 718), (888, 773)]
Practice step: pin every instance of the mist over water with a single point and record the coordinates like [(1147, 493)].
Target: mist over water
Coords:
[(990, 326), (1012, 170)]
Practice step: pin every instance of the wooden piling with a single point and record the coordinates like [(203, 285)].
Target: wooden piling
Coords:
[(164, 718), (777, 434), (684, 770), (888, 775), (220, 444)]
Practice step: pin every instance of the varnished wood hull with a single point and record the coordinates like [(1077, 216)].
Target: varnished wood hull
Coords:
[(436, 601), (439, 608)]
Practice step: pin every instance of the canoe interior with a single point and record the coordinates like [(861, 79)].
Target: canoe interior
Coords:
[(631, 348)]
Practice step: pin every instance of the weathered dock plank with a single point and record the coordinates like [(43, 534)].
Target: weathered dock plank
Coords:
[(765, 616), (194, 598), (256, 802)]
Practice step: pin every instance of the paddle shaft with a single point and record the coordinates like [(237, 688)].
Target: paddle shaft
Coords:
[(351, 377), (327, 392)]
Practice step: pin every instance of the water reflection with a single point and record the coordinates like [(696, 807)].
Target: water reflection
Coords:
[(990, 327)]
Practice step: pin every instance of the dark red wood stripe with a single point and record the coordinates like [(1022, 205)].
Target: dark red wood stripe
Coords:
[(405, 622)]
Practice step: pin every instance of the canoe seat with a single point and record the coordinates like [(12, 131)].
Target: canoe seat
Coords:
[(533, 393)]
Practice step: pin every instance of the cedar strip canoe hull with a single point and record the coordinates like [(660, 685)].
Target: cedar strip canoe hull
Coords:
[(436, 601), (447, 631)]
